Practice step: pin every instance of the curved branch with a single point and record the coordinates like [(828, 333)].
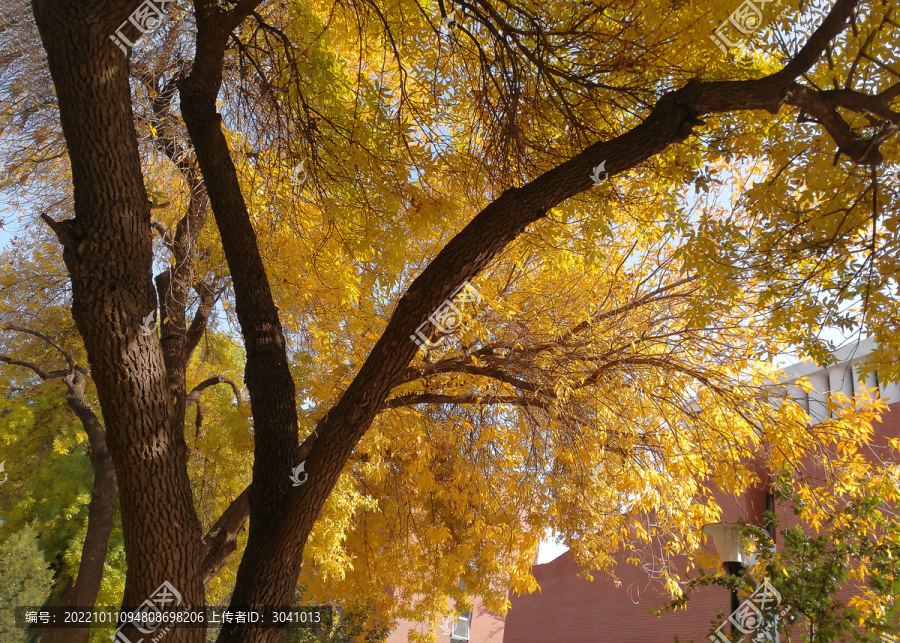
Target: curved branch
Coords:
[(436, 398), (650, 298), (34, 367), (283, 515), (83, 589), (66, 354), (822, 105), (548, 394), (465, 366), (194, 395)]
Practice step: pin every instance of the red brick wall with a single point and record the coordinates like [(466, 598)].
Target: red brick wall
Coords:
[(569, 609), (485, 628)]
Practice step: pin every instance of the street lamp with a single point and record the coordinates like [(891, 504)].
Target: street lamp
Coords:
[(729, 540)]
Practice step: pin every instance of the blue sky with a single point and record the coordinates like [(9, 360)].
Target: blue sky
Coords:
[(11, 226)]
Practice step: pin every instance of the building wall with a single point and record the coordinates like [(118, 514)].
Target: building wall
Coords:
[(569, 609), (486, 627)]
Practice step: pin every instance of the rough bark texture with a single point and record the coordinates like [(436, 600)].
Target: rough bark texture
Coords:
[(282, 517), (107, 251), (221, 540), (267, 373)]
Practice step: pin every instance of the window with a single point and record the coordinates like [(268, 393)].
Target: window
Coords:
[(461, 627)]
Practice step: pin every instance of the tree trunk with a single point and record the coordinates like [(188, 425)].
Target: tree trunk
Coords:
[(101, 513), (267, 373), (108, 257), (282, 518), (108, 254)]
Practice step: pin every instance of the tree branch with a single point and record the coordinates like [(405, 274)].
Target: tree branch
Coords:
[(66, 354), (163, 235), (83, 590), (198, 325), (239, 12), (221, 540), (34, 367), (283, 515), (222, 537), (267, 372), (469, 398), (889, 94), (194, 395), (464, 365), (823, 106)]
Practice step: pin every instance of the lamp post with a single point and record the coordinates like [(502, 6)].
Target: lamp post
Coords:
[(729, 542)]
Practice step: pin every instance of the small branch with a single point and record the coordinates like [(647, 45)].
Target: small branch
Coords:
[(434, 398), (194, 395), (455, 366), (239, 12), (649, 298), (66, 354), (463, 365), (64, 231), (863, 49), (823, 106), (208, 299), (198, 421), (881, 65), (164, 235), (859, 102), (34, 367)]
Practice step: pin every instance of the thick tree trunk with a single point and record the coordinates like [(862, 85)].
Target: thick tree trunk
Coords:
[(267, 373), (108, 254)]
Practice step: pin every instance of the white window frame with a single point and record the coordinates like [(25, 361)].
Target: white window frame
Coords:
[(464, 619)]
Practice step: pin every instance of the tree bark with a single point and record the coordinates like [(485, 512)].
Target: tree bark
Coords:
[(221, 540), (281, 517), (267, 373), (108, 255)]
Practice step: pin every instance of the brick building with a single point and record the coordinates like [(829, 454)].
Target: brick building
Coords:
[(570, 609)]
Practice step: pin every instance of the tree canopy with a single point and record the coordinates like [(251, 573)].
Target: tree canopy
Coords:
[(234, 232)]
